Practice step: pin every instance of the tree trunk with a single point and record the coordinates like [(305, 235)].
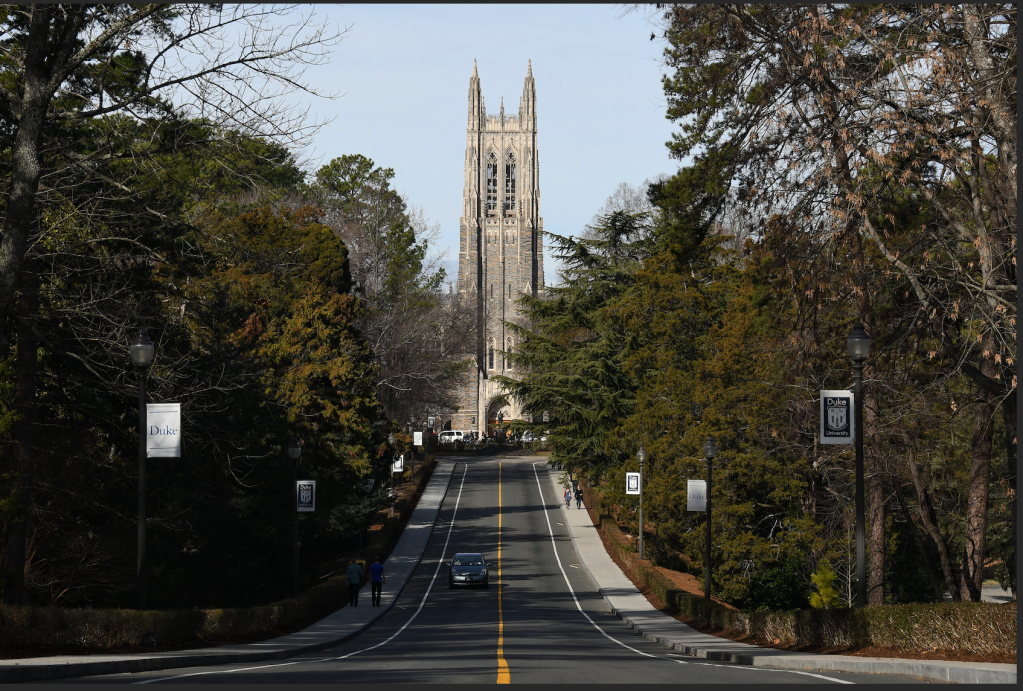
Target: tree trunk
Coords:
[(972, 575), (26, 164), (875, 499), (1009, 407), (929, 521), (938, 597), (22, 447)]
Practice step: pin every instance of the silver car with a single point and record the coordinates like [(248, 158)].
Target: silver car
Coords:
[(469, 568)]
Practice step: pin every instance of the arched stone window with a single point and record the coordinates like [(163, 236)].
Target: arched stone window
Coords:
[(509, 183), (491, 355), (491, 182)]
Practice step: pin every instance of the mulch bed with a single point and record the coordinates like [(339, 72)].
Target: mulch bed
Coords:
[(685, 582)]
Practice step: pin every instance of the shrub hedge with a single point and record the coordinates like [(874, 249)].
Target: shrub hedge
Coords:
[(964, 627), (45, 629)]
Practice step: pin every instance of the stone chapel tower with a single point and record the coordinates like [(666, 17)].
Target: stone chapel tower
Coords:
[(500, 254)]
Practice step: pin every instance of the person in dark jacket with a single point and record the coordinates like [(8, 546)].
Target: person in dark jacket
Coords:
[(354, 574), (578, 497)]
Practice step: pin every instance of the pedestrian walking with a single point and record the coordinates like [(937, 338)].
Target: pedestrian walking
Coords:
[(354, 583), (376, 581), (578, 497), (568, 498)]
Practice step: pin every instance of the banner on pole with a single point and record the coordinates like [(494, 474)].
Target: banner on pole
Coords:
[(632, 483), (399, 464), (696, 495), (163, 430), (417, 438), (837, 418), (305, 495)]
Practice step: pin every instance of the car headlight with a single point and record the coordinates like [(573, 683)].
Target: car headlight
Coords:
[(483, 572)]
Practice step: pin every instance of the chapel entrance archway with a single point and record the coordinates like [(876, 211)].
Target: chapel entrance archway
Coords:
[(497, 405)]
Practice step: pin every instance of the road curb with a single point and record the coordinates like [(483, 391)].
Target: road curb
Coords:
[(952, 672), (13, 672)]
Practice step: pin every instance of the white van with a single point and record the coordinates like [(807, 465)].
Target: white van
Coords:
[(451, 436)]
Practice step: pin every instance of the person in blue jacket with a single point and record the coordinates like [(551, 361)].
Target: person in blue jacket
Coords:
[(376, 581)]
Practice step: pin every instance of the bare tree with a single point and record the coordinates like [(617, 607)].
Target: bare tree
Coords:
[(235, 65), (416, 332)]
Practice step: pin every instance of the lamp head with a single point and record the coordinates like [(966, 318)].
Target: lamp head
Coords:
[(710, 449), (294, 450), (142, 350), (858, 343), (390, 439), (641, 454)]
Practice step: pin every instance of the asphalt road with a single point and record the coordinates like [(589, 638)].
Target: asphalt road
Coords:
[(541, 620)]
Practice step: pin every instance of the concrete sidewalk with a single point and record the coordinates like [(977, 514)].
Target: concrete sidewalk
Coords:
[(627, 602), (335, 628)]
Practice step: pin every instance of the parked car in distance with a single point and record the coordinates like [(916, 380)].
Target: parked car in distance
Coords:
[(451, 436), (468, 568)]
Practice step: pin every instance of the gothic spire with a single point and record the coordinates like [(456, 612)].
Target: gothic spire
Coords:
[(527, 106), (476, 107)]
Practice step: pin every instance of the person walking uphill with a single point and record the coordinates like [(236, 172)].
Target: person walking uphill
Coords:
[(568, 498), (354, 583), (578, 497), (376, 581)]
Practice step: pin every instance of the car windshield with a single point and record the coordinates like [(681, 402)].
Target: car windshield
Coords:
[(468, 560)]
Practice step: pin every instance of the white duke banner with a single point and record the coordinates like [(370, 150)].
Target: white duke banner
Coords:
[(163, 430)]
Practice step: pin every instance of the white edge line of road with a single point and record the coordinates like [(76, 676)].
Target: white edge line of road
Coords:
[(422, 603), (554, 546)]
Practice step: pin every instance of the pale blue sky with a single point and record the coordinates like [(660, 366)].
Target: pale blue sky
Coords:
[(404, 72)]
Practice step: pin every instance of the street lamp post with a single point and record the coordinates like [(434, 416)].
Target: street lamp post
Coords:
[(710, 450), (500, 421), (295, 454), (642, 457), (859, 348), (411, 446), (142, 351)]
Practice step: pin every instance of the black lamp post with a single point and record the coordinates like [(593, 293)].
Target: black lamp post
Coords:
[(710, 450), (142, 352), (295, 454), (641, 455), (500, 420), (859, 348), (411, 446)]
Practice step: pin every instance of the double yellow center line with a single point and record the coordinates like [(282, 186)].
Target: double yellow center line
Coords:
[(503, 676)]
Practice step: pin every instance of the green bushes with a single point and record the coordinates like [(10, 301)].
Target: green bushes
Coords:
[(51, 629), (965, 627)]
